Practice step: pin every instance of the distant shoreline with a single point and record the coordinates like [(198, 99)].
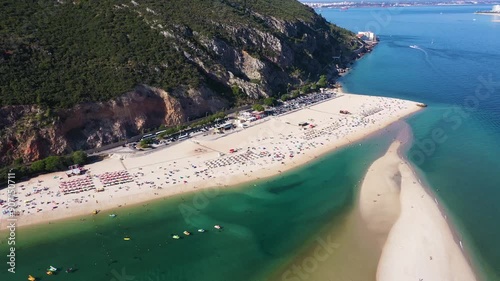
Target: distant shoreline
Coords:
[(488, 13), (358, 5)]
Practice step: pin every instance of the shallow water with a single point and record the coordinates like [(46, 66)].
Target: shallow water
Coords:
[(265, 225), (455, 71), (269, 226)]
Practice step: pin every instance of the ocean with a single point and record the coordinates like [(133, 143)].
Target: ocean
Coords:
[(269, 225), (454, 69)]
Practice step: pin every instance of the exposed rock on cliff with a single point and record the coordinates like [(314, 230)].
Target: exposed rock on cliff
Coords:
[(28, 132), (65, 65)]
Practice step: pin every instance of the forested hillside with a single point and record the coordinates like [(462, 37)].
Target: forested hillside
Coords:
[(81, 74), (60, 53)]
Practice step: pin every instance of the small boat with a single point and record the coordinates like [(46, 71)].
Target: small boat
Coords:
[(95, 212), (51, 268), (69, 270), (201, 230), (31, 278), (175, 236), (126, 238), (113, 215), (187, 233), (50, 272), (422, 104), (414, 46), (217, 226)]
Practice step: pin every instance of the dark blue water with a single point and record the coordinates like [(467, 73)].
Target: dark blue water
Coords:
[(454, 69)]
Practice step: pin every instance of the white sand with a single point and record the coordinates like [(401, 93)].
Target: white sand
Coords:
[(420, 245), (265, 149), (379, 195)]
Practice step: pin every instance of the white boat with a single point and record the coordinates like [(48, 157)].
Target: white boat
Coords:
[(201, 230), (217, 226), (53, 269), (414, 46), (112, 215)]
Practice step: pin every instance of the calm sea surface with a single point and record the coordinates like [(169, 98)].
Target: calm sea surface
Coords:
[(454, 69), (267, 223)]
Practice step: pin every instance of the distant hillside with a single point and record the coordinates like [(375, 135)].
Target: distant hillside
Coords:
[(70, 71)]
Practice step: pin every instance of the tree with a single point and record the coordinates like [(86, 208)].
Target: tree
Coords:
[(237, 92), (322, 82), (168, 132), (18, 161), (270, 101), (145, 143), (54, 163), (305, 89), (285, 97), (37, 166), (257, 107), (79, 157)]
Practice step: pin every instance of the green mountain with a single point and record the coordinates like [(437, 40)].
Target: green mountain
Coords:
[(83, 73), (60, 53)]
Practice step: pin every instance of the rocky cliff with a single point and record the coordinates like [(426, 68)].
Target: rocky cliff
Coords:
[(201, 56), (30, 133)]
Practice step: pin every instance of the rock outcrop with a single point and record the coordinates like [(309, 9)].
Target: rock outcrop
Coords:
[(256, 51), (29, 133)]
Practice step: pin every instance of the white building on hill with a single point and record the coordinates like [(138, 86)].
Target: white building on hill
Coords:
[(367, 36)]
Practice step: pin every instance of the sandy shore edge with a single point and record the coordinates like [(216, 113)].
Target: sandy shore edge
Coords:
[(322, 113), (418, 241)]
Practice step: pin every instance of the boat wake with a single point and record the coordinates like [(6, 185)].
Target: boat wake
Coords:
[(427, 60)]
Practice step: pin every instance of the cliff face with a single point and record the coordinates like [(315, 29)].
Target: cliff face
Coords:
[(28, 133), (210, 52)]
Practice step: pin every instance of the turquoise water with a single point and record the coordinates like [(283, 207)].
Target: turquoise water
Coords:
[(266, 224), (454, 70)]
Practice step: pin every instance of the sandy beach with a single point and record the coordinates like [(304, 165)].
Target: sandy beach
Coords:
[(379, 195), (417, 241), (268, 147)]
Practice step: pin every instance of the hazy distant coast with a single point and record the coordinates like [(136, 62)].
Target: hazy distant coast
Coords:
[(374, 4)]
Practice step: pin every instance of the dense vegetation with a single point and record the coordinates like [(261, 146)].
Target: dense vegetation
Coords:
[(47, 165), (57, 55)]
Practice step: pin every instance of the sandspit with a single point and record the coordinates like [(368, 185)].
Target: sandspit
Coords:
[(418, 243)]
